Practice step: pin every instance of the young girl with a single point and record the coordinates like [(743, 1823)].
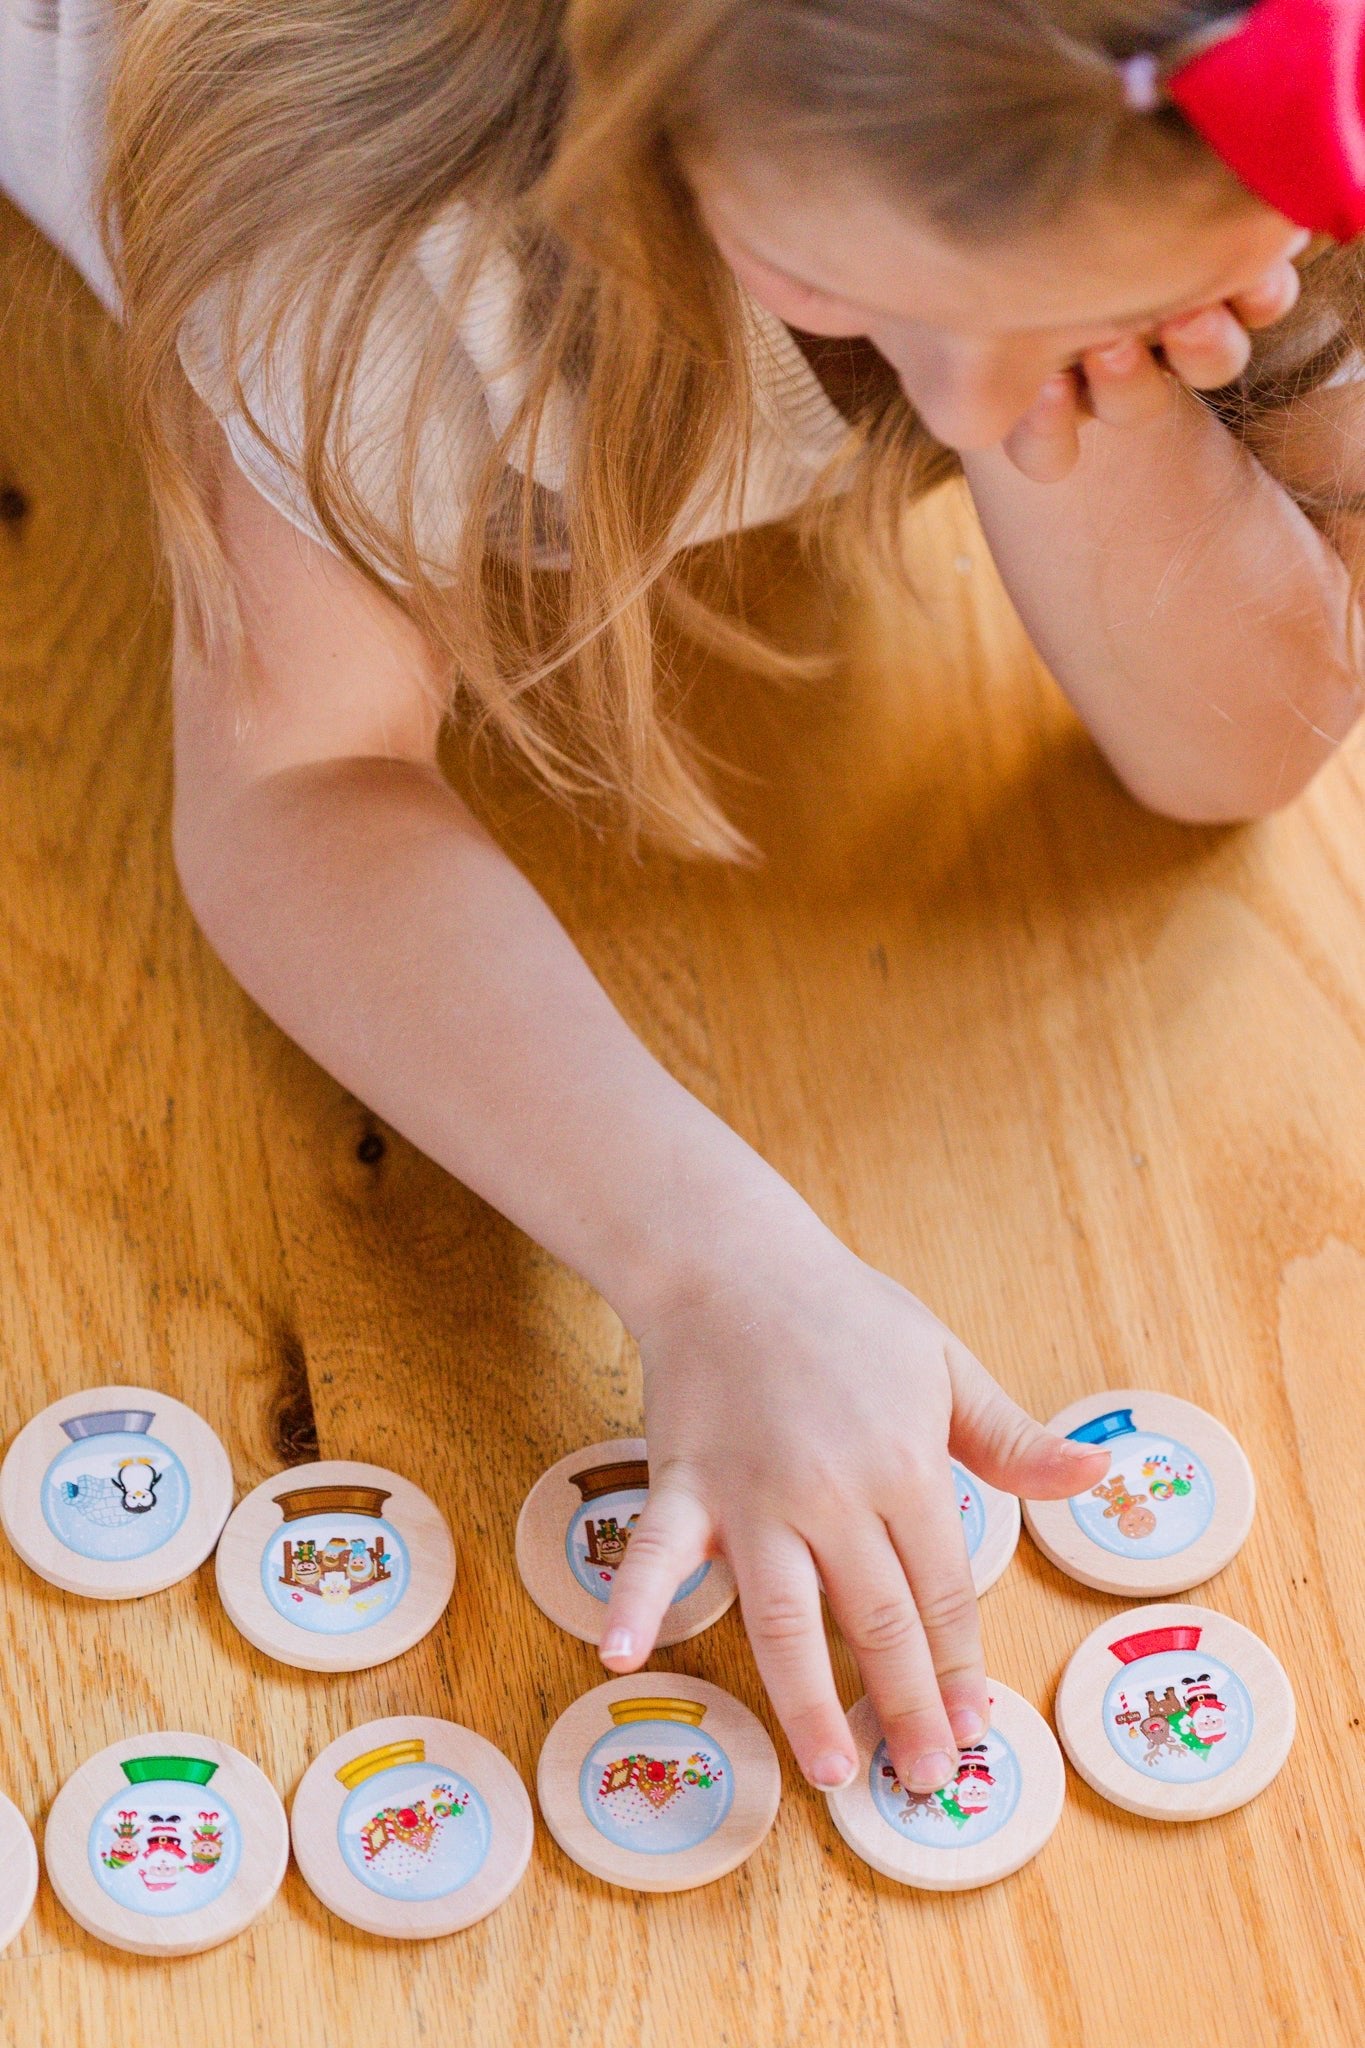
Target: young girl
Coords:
[(450, 324)]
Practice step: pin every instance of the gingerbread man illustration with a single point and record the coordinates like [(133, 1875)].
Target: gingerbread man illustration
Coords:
[(1135, 1518)]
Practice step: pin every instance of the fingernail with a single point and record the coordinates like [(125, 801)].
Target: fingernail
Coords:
[(1198, 329), (927, 1773), (1120, 355), (1054, 389), (831, 1773), (617, 1642), (1078, 1451), (967, 1726)]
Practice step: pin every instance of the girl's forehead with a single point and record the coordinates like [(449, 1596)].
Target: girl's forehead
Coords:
[(1114, 261)]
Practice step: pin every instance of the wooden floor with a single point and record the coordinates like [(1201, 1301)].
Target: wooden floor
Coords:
[(1092, 1084)]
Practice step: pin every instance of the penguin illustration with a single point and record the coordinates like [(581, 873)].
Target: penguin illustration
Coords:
[(132, 1491)]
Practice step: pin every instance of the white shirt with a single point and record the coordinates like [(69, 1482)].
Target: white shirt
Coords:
[(54, 65)]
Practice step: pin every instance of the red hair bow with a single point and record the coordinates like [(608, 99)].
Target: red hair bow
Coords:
[(1279, 99)]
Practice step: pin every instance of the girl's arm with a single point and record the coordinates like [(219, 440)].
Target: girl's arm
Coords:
[(1196, 618), (800, 1407)]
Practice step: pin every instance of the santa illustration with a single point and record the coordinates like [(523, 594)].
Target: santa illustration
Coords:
[(974, 1781), (1186, 1718), (1208, 1715), (163, 1860)]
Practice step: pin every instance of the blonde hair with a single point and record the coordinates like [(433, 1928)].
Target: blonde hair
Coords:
[(286, 155)]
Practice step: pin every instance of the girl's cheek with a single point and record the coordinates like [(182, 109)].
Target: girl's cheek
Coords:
[(812, 312), (795, 304)]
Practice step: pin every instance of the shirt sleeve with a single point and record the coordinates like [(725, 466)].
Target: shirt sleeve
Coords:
[(266, 435)]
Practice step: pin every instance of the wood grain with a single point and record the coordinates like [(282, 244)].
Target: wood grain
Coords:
[(1092, 1084)]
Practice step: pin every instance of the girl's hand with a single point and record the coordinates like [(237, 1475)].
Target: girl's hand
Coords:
[(800, 1410), (1126, 385)]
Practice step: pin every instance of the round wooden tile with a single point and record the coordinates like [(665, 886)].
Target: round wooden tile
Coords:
[(115, 1492), (992, 1819), (658, 1782), (990, 1523), (18, 1871), (1174, 1507), (1175, 1712), (572, 1533), (411, 1827), (335, 1566), (166, 1844)]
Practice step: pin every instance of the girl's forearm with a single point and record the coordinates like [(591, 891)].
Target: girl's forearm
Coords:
[(360, 904), (1192, 613)]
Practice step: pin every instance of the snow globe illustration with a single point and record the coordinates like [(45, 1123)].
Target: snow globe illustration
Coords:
[(1157, 1497), (335, 1566), (653, 1782), (165, 1845), (1174, 1712), (115, 1491), (971, 1507), (410, 1828), (975, 1806), (613, 1497)]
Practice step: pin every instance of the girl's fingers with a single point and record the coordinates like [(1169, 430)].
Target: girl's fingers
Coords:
[(928, 1539), (995, 1438), (780, 1598), (1046, 442), (671, 1538), (1270, 299), (871, 1601), (1208, 349), (1125, 384)]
